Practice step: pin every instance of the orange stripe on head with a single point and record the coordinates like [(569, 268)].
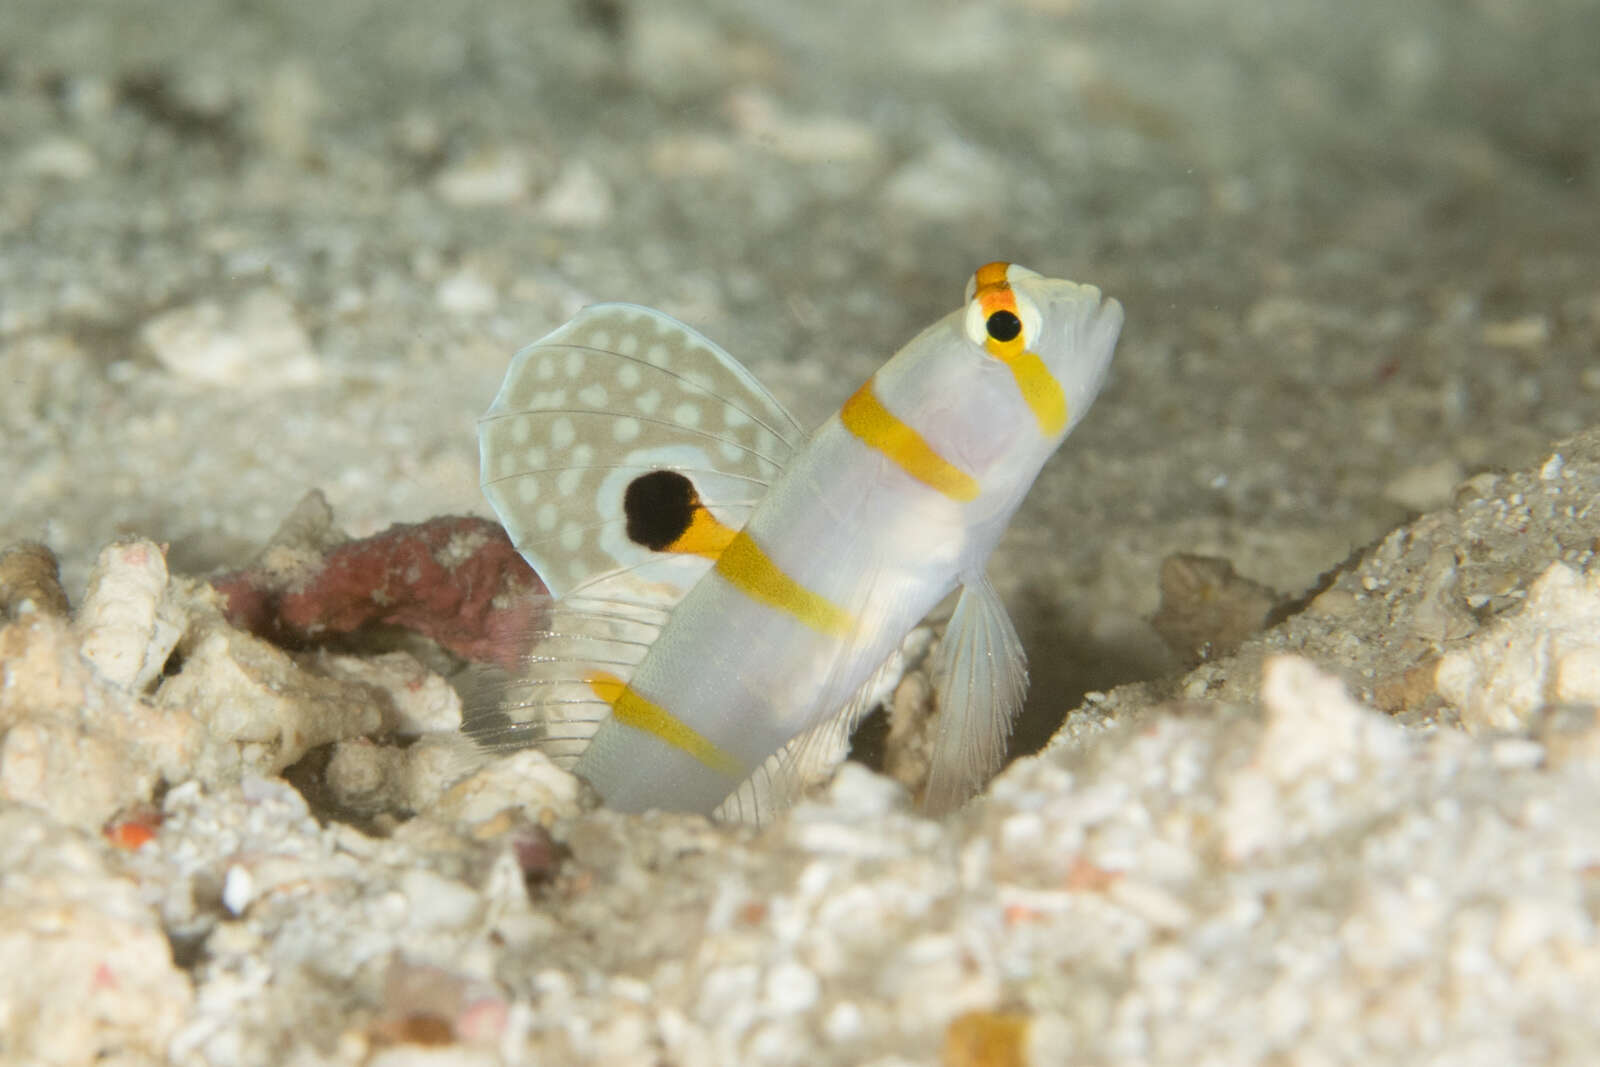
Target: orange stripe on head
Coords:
[(1007, 340), (993, 292), (991, 276)]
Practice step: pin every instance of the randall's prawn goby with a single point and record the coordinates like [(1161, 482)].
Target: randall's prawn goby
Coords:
[(724, 589)]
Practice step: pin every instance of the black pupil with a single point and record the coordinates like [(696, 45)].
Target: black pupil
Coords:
[(1004, 326)]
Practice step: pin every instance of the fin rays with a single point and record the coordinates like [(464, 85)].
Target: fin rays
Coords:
[(760, 483), (774, 461), (548, 704), (618, 393), (788, 431), (981, 676)]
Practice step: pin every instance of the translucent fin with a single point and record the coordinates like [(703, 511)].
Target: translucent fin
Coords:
[(810, 756), (550, 704), (981, 677), (619, 392)]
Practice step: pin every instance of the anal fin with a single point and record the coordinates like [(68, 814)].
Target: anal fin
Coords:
[(811, 755)]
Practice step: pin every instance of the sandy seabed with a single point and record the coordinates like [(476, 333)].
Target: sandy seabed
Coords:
[(245, 254)]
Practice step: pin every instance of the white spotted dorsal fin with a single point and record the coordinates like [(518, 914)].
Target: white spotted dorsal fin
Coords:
[(981, 676), (618, 393)]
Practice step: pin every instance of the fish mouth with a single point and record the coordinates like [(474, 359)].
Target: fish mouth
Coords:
[(1095, 314), (1103, 311)]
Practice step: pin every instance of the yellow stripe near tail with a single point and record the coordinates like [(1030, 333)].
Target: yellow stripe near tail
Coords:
[(631, 709)]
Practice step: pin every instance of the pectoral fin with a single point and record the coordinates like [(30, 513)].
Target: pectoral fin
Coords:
[(981, 676)]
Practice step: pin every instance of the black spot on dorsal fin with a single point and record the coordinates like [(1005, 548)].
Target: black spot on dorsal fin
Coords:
[(659, 507)]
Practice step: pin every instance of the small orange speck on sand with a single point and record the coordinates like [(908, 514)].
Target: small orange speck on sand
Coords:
[(987, 1039), (1083, 875), (1017, 914), (133, 833)]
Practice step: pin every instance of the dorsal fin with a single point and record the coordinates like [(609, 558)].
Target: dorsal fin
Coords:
[(620, 393)]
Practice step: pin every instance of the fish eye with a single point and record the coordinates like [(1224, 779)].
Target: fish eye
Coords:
[(1003, 326), (1001, 316)]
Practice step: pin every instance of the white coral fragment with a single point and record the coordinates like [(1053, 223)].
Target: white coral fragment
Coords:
[(265, 711), (420, 701), (1313, 726), (525, 780), (127, 632), (1316, 742), (71, 742), (89, 975), (1546, 654), (89, 726), (256, 341), (490, 177)]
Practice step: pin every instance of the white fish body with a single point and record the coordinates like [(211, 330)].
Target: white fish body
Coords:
[(726, 591)]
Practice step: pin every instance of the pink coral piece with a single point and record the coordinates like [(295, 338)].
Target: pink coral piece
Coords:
[(454, 579)]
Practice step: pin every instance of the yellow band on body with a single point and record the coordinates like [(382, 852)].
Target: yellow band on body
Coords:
[(705, 536), (631, 709), (751, 571), (878, 427)]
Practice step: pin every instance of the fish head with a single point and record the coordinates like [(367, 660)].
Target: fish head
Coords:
[(1054, 337)]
